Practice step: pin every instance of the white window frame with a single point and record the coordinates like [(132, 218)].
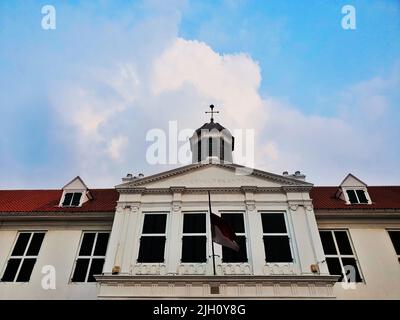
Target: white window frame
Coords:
[(207, 234), (73, 192), (391, 242), (340, 256), (91, 257), (221, 212), (141, 234), (288, 234), (24, 256), (346, 196)]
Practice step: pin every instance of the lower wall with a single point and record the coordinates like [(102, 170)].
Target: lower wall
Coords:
[(59, 249), (379, 265)]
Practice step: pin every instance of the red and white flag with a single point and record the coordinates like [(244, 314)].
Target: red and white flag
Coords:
[(222, 232)]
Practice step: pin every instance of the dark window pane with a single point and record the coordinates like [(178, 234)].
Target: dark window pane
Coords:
[(20, 246), (96, 268), (67, 199), (343, 242), (222, 151), (273, 223), (229, 255), (199, 150), (151, 249), (210, 148), (353, 275), (395, 237), (87, 244), (11, 270), (361, 196), (334, 267), (327, 242), (277, 249), (35, 244), (194, 249), (235, 220), (76, 199), (154, 223), (194, 223), (101, 244), (80, 270), (26, 270), (352, 196)]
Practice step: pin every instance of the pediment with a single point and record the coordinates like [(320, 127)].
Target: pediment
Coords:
[(75, 184), (352, 181), (213, 175)]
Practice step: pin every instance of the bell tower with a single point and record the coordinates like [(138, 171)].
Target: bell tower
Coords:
[(212, 142)]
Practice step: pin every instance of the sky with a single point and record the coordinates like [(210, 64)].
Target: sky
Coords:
[(81, 99)]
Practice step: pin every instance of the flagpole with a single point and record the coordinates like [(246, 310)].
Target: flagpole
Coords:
[(212, 242)]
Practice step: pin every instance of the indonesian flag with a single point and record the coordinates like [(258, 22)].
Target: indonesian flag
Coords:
[(222, 233)]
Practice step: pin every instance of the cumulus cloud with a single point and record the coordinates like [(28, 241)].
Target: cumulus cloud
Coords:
[(188, 73), (230, 80), (125, 83)]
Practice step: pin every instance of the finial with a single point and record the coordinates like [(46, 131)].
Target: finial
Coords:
[(212, 112)]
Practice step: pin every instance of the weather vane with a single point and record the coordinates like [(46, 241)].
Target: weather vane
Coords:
[(212, 112)]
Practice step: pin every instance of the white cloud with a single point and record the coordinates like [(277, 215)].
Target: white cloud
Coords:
[(231, 80), (185, 75), (116, 146)]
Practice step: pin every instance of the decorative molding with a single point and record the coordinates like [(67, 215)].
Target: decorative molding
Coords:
[(192, 268), (289, 286), (297, 188), (279, 269), (177, 189), (235, 268), (148, 269), (250, 205), (176, 206)]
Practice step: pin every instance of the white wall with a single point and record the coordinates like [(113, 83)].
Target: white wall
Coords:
[(59, 249), (380, 268)]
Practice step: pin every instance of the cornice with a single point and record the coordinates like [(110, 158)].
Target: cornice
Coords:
[(254, 172), (128, 279)]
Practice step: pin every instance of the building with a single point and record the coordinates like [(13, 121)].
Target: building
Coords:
[(149, 237)]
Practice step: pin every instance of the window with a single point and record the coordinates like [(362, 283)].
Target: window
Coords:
[(23, 257), (199, 150), (91, 256), (194, 240), (222, 151), (276, 238), (72, 199), (152, 241), (395, 237), (339, 254), (357, 196), (210, 147), (236, 221)]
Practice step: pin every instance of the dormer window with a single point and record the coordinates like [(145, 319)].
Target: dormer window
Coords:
[(72, 199), (357, 196), (75, 194), (353, 191)]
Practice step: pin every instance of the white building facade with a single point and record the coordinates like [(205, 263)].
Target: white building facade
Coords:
[(150, 237)]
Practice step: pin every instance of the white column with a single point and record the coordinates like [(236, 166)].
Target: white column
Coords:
[(114, 241), (130, 237), (173, 253), (256, 251), (316, 239), (302, 235)]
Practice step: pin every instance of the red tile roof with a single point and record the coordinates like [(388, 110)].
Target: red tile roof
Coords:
[(382, 197), (104, 200)]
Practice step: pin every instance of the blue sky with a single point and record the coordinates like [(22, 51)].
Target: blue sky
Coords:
[(79, 100)]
